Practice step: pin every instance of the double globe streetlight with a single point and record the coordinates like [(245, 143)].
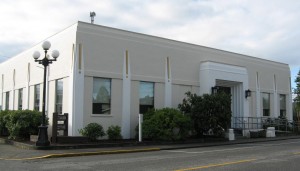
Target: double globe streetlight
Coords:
[(43, 134)]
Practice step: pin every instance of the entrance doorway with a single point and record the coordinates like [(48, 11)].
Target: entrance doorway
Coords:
[(235, 89)]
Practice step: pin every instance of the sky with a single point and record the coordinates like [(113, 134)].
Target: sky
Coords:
[(268, 29)]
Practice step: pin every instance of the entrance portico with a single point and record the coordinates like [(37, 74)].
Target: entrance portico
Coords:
[(234, 77)]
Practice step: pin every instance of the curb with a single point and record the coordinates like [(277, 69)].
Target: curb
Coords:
[(247, 141), (104, 152), (86, 154), (101, 152)]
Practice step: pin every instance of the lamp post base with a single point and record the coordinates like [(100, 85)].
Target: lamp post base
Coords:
[(43, 136)]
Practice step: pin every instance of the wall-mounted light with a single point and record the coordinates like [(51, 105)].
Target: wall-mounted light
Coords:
[(247, 93), (214, 90)]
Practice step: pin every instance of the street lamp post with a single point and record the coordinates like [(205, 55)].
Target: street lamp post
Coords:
[(43, 134)]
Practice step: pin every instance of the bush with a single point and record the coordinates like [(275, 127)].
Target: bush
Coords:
[(114, 133), (166, 124), (22, 123), (3, 129), (208, 112), (258, 134), (92, 131)]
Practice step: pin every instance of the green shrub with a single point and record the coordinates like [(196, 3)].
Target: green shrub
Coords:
[(166, 124), (3, 129), (258, 134), (114, 132), (22, 123), (92, 131), (208, 112)]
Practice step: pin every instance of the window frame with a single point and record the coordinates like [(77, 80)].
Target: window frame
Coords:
[(7, 94), (143, 108), (266, 111), (37, 97), (20, 99), (56, 96), (95, 106), (282, 111)]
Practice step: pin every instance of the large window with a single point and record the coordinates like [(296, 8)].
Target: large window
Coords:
[(20, 99), (266, 104), (101, 95), (7, 100), (282, 99), (146, 96), (37, 97), (59, 96)]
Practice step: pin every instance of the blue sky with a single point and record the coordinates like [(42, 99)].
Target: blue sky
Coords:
[(261, 28)]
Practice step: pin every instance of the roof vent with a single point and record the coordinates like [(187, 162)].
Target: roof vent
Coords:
[(92, 15)]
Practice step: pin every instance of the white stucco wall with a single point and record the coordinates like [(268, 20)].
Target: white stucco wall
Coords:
[(102, 55)]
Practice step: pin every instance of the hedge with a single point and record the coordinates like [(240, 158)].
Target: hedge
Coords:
[(20, 123)]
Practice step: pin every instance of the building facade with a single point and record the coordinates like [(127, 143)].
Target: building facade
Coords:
[(109, 76)]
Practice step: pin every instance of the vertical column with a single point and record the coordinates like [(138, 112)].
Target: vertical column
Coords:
[(275, 99), (27, 87), (290, 103), (258, 114), (13, 91), (245, 101), (235, 102), (168, 84), (76, 94), (126, 97)]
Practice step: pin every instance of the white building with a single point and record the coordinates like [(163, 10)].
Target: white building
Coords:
[(109, 76)]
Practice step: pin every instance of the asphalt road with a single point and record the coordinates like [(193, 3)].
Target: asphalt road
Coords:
[(273, 156)]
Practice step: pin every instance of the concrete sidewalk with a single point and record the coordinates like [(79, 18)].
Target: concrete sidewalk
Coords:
[(16, 152)]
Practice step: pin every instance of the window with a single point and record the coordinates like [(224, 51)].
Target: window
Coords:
[(266, 104), (146, 96), (282, 99), (101, 95), (20, 99), (7, 100), (59, 96), (37, 97)]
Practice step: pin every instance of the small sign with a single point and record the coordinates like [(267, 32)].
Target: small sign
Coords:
[(61, 126), (61, 117), (60, 123)]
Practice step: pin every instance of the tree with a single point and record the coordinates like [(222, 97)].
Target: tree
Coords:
[(297, 98), (208, 112)]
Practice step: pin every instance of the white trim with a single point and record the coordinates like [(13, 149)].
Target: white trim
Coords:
[(258, 106), (168, 83), (76, 94), (276, 109), (126, 97)]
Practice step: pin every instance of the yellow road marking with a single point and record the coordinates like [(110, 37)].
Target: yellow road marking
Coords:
[(216, 165), (85, 154)]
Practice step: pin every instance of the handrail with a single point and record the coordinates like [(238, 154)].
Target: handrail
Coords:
[(280, 124)]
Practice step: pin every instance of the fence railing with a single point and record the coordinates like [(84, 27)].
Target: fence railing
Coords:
[(280, 124)]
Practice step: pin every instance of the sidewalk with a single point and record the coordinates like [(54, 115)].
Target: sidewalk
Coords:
[(17, 152)]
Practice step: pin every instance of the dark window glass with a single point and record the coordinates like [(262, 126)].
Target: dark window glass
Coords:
[(101, 95), (20, 99), (37, 97), (282, 100), (146, 96), (59, 96), (7, 100), (266, 104)]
